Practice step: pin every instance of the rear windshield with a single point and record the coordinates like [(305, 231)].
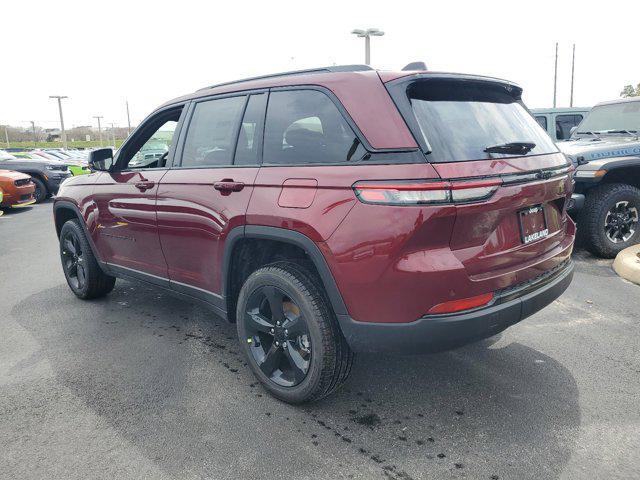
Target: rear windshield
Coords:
[(460, 119)]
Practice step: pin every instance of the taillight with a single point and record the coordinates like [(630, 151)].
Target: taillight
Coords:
[(453, 306), (416, 192)]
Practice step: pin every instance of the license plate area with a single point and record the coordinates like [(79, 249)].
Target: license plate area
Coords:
[(533, 224)]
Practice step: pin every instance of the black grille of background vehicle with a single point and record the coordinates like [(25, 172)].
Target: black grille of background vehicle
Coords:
[(26, 196), (22, 182)]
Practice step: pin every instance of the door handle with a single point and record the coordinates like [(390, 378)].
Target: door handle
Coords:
[(146, 185), (227, 185)]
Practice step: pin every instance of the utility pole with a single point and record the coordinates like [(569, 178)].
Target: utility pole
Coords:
[(113, 134), (573, 69), (35, 138), (6, 136), (555, 78), (99, 128), (367, 34), (64, 134), (128, 120)]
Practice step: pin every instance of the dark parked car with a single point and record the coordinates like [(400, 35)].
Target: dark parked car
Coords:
[(333, 211), (47, 175)]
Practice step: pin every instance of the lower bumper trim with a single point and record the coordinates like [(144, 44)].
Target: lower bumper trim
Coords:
[(437, 333)]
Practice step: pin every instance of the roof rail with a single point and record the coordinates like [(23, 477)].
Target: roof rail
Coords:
[(335, 68)]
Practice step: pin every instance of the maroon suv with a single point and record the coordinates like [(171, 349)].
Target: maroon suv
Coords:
[(332, 211)]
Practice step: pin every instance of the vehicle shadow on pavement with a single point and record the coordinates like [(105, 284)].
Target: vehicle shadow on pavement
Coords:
[(169, 378)]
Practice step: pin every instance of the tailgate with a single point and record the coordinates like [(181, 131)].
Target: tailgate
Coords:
[(499, 235)]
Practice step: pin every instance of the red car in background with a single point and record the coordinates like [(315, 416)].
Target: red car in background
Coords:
[(333, 211), (17, 189)]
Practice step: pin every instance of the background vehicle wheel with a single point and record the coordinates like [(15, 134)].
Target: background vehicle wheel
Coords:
[(83, 274), (290, 335), (41, 190), (608, 221)]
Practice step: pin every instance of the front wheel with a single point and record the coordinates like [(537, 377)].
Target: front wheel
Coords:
[(289, 334), (84, 276), (40, 193), (609, 220)]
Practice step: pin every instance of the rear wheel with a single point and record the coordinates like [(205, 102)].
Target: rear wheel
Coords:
[(40, 193), (609, 220), (84, 276), (290, 335)]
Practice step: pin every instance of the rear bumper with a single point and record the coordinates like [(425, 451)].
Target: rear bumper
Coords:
[(442, 332)]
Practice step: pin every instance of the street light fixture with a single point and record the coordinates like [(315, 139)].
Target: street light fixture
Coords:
[(64, 134), (367, 34), (98, 117)]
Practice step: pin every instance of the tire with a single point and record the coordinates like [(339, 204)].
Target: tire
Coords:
[(599, 205), (329, 357), (41, 192), (77, 257)]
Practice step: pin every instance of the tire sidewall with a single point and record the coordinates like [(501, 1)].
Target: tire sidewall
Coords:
[(73, 228), (40, 186), (273, 277)]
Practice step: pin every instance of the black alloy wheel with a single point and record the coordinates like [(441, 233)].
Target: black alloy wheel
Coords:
[(621, 222), (277, 336), (73, 260)]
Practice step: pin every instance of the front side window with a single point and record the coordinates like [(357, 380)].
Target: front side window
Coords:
[(305, 126), (211, 137), (564, 124), (150, 146), (461, 119)]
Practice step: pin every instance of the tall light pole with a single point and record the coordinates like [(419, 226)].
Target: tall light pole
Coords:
[(113, 134), (64, 134), (555, 78), (367, 34), (99, 128), (128, 120), (35, 139), (573, 69)]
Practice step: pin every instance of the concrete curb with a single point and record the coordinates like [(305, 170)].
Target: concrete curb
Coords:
[(627, 264)]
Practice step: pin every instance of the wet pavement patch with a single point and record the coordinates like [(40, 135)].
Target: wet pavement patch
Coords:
[(370, 420)]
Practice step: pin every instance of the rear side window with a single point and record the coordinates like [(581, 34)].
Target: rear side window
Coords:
[(305, 126), (564, 124), (460, 119), (211, 137)]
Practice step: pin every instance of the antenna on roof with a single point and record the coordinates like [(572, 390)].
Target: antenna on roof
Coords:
[(415, 66)]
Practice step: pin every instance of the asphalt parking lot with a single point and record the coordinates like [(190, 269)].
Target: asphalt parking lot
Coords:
[(142, 385)]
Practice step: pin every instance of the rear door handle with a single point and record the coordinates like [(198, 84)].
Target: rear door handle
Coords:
[(227, 185), (146, 185)]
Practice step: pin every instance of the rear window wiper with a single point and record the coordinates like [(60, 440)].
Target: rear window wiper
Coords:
[(517, 148)]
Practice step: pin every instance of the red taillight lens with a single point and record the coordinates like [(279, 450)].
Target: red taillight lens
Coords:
[(416, 192), (462, 304)]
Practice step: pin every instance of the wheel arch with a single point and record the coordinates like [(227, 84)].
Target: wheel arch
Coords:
[(63, 211), (280, 236), (627, 174)]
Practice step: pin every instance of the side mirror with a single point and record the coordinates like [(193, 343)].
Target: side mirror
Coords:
[(101, 159), (572, 131)]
